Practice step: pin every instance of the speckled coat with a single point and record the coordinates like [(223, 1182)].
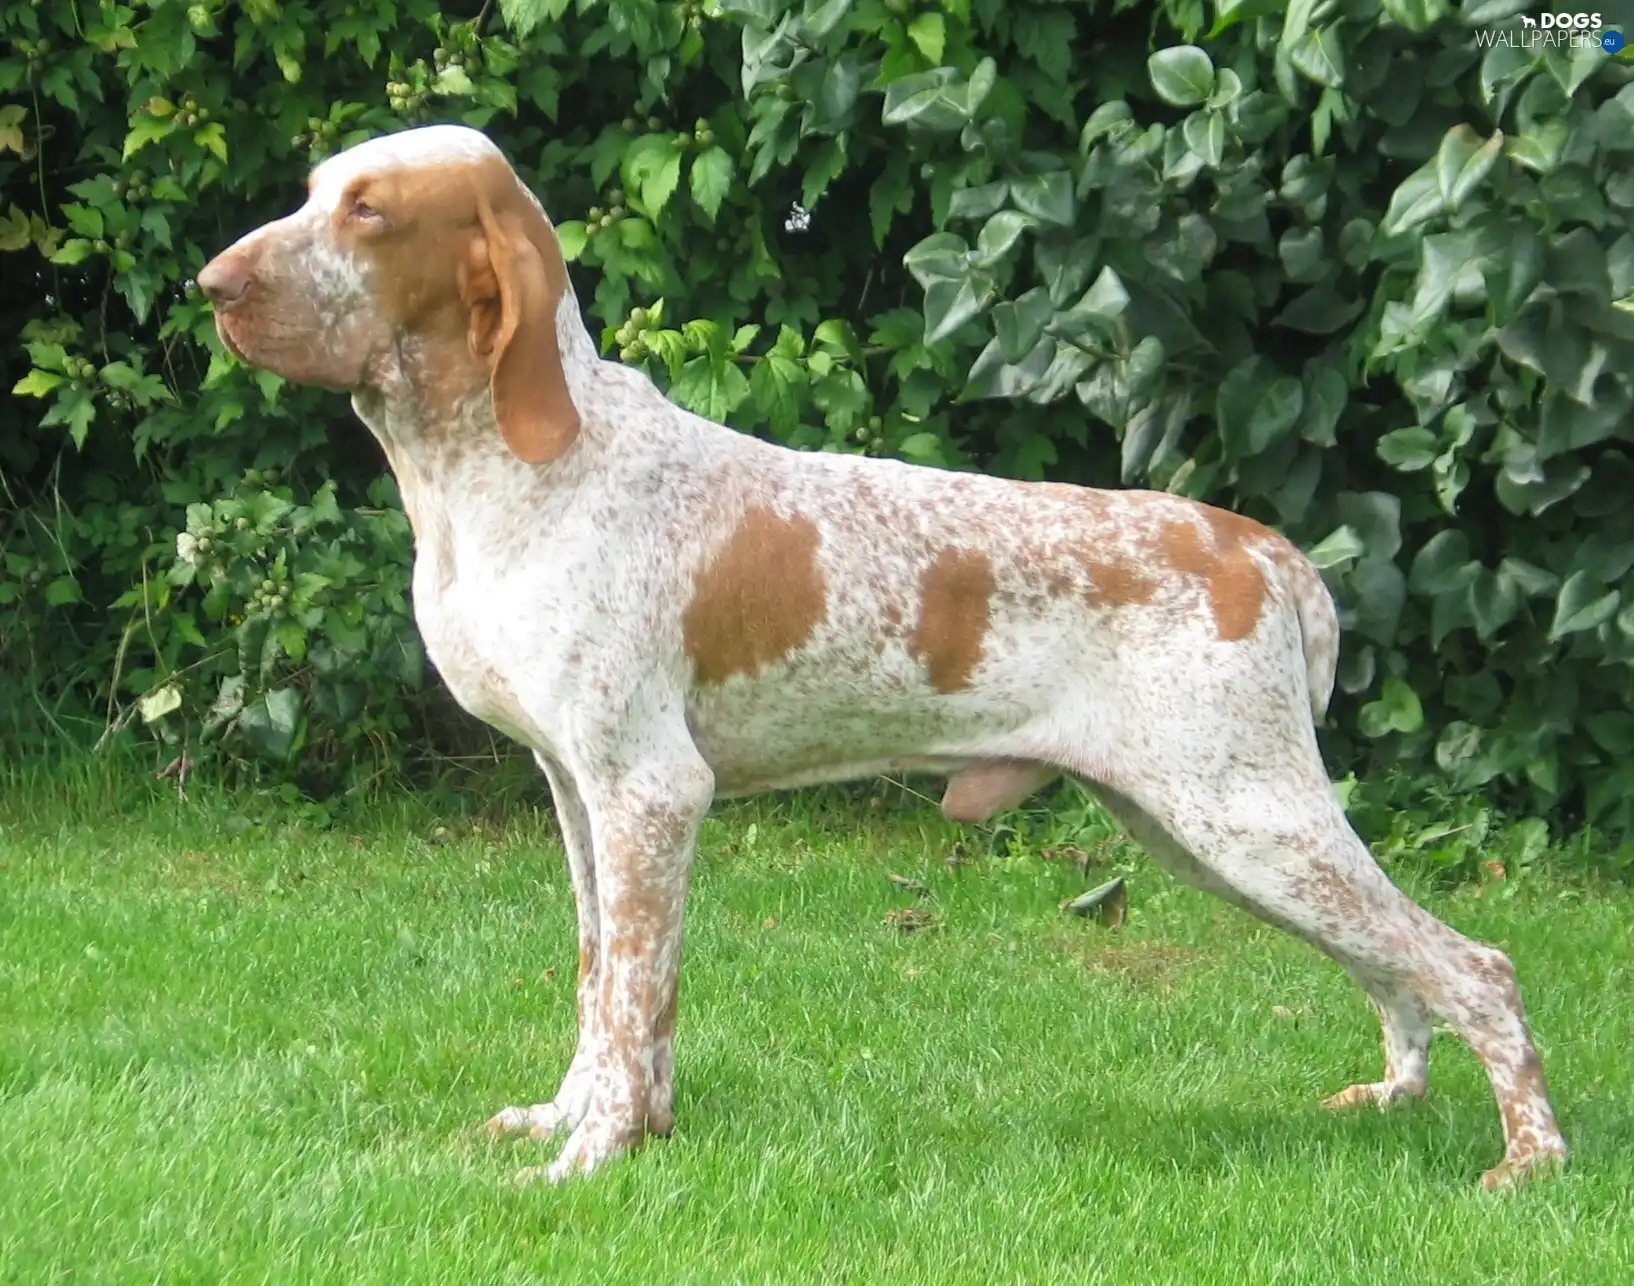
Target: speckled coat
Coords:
[(666, 611)]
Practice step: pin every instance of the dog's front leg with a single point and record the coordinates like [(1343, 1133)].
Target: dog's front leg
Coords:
[(644, 827), (572, 1100)]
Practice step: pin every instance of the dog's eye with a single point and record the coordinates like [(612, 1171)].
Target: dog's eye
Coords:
[(366, 213)]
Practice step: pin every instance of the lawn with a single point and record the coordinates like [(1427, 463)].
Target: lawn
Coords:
[(262, 1051)]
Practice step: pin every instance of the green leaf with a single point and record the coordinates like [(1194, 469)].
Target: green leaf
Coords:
[(1339, 546), (1541, 146), (572, 237), (1102, 304), (979, 202), (651, 170), (213, 139), (711, 179), (1409, 449), (1398, 709), (145, 130), (1613, 731), (1462, 162), (1494, 599), (83, 219), (942, 256), (711, 387), (1108, 118), (75, 250), (1276, 412), (1204, 133), (999, 236), (1326, 396), (1416, 201), (1319, 56), (775, 385), (1182, 75), (62, 591), (157, 703), (950, 304), (274, 724), (1228, 13), (1417, 16), (1018, 325), (891, 195), (1582, 605), (1443, 565), (1381, 591), (1047, 197), (923, 447), (36, 383), (928, 32)]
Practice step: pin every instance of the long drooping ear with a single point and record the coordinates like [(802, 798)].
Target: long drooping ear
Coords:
[(532, 401)]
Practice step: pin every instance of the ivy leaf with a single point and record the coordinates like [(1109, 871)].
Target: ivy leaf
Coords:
[(1228, 13), (1582, 606), (1443, 565), (1047, 197), (1101, 305), (1494, 599), (1398, 709), (999, 236), (1319, 56), (1419, 16), (1381, 592), (1409, 449), (950, 304), (1417, 200), (1183, 75), (1341, 545), (1204, 133), (1462, 162), (711, 179), (1018, 325)]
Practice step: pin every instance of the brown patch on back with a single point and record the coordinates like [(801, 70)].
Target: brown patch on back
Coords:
[(954, 613), (1120, 584), (760, 597), (1223, 561)]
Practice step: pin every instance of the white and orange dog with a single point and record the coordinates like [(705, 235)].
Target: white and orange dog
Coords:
[(666, 611)]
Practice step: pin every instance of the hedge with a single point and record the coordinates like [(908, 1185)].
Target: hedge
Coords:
[(1360, 268)]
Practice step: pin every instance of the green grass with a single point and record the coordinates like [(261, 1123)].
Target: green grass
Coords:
[(263, 1053)]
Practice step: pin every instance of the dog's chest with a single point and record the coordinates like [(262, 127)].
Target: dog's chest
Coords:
[(469, 634)]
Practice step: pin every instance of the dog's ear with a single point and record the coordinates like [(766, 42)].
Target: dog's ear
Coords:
[(517, 252)]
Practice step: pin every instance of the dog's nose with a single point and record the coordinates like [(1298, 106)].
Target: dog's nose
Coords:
[(225, 279)]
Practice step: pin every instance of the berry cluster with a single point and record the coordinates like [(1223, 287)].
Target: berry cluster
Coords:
[(407, 96), (631, 336), (320, 136), (135, 188), (189, 113), (34, 52), (269, 598), (597, 219)]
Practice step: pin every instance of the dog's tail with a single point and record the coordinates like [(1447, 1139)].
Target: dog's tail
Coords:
[(1318, 627)]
